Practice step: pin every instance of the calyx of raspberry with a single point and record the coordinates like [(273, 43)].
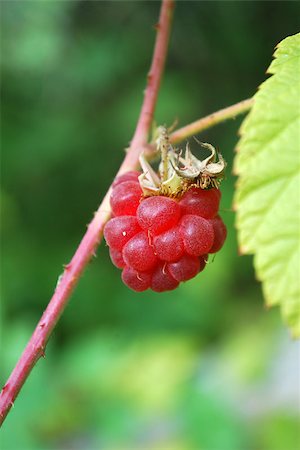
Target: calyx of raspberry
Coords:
[(207, 172), (176, 174)]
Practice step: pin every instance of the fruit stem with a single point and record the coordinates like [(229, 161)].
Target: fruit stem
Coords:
[(163, 146), (87, 247), (209, 121)]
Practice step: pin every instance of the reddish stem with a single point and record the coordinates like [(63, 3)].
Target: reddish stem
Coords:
[(87, 247), (146, 116)]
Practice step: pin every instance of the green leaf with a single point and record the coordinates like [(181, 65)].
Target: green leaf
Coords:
[(268, 189)]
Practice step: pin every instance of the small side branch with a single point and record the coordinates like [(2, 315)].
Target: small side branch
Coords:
[(209, 121), (87, 247)]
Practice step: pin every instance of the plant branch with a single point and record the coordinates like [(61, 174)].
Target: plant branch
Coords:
[(209, 121), (153, 80), (87, 247)]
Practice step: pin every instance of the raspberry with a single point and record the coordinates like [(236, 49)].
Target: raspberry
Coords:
[(162, 280), (197, 234), (186, 268), (125, 198), (220, 233), (157, 214), (119, 230), (138, 253), (168, 245), (128, 176), (138, 281), (162, 240), (200, 202), (117, 258), (203, 261)]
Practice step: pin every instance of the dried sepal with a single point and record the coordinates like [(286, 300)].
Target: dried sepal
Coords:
[(149, 180), (152, 184), (176, 173), (205, 173)]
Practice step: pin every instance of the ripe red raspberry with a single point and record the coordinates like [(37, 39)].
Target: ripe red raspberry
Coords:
[(185, 268), (160, 241), (168, 246), (138, 281), (139, 254), (128, 176), (157, 214), (119, 230), (162, 280), (125, 198), (117, 258), (201, 202), (220, 233), (203, 261), (197, 234)]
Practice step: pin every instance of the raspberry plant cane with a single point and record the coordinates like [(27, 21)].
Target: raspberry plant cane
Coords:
[(166, 223), (177, 188)]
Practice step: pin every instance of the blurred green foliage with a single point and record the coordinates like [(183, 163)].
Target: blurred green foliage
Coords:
[(204, 367)]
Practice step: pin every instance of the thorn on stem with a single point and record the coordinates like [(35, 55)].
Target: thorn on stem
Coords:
[(42, 351), (59, 280), (67, 266)]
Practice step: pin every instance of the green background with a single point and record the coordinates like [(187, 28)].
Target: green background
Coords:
[(204, 367)]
